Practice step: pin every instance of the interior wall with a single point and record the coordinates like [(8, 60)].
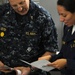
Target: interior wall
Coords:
[(3, 1)]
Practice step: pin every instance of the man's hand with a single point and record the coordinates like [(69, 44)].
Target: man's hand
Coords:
[(1, 64), (47, 57), (59, 64), (4, 68), (24, 70)]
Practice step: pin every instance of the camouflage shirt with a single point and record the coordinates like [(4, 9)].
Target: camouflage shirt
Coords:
[(26, 37)]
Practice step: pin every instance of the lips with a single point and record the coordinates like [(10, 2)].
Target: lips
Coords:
[(23, 9), (66, 23)]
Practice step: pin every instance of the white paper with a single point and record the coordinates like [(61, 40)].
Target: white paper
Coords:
[(40, 64)]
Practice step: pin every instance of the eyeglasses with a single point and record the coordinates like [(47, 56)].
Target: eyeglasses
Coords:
[(15, 6)]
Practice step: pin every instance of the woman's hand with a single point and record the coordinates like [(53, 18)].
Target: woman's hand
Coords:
[(45, 57), (59, 64)]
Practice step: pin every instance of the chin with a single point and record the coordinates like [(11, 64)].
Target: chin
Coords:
[(22, 13), (69, 25)]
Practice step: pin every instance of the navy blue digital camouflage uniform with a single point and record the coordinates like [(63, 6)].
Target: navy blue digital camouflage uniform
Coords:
[(26, 37), (67, 51)]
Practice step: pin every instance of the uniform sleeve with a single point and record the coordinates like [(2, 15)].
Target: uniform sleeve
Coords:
[(55, 57), (49, 35), (71, 64), (3, 9)]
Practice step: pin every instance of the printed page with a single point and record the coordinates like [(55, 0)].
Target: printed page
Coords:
[(40, 64)]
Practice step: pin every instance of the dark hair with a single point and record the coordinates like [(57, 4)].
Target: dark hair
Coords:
[(69, 5)]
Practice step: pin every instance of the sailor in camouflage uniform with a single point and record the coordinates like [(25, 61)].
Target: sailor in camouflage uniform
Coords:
[(26, 34)]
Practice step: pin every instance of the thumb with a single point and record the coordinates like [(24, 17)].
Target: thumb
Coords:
[(25, 72), (50, 64)]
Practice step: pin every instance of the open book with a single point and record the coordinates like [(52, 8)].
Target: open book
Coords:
[(40, 64)]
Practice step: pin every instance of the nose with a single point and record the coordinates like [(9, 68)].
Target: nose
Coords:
[(19, 8), (62, 19)]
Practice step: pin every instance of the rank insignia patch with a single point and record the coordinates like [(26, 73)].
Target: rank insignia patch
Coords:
[(1, 34)]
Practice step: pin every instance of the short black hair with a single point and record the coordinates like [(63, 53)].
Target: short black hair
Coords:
[(69, 5)]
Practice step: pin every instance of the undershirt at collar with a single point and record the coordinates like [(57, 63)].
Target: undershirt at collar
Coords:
[(73, 29)]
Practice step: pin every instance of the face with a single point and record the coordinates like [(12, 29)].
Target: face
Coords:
[(65, 16), (20, 6)]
